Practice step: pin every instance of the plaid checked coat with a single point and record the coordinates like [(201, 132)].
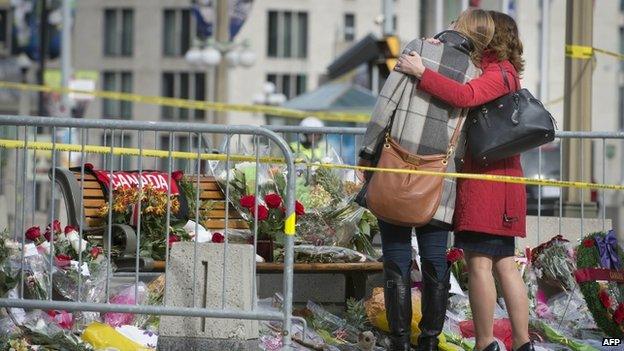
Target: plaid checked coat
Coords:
[(421, 123)]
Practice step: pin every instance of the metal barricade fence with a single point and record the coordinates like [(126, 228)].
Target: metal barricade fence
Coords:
[(546, 162), (35, 161)]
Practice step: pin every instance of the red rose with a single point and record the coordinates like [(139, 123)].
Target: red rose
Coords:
[(56, 225), (454, 255), (618, 316), (69, 229), (273, 200), (299, 209), (263, 213), (96, 251), (588, 243), (173, 239), (177, 175), (605, 298), (62, 260), (88, 166), (248, 201), (218, 238), (33, 233)]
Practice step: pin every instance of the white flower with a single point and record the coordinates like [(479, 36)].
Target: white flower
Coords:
[(73, 235), (78, 245)]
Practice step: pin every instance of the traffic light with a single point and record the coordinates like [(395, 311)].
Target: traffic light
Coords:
[(390, 49)]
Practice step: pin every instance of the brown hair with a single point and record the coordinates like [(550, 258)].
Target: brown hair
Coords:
[(506, 44), (478, 26)]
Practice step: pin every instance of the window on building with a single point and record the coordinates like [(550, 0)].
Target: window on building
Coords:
[(179, 31), (287, 34), (118, 32), (117, 81), (183, 85), (120, 139), (349, 27), (290, 85), (5, 30)]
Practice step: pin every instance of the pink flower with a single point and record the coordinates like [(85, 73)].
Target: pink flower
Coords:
[(33, 233), (273, 200), (69, 229), (218, 238), (64, 319)]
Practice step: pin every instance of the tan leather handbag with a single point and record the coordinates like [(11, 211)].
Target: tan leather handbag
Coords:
[(407, 199)]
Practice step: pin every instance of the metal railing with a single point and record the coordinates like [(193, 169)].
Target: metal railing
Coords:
[(30, 158), (542, 202)]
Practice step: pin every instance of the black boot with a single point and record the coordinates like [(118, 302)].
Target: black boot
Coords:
[(527, 347), (435, 294), (398, 300), (493, 346)]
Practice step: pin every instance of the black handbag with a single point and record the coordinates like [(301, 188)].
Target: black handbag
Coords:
[(508, 126)]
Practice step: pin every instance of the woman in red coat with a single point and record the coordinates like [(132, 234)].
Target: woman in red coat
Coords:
[(488, 215)]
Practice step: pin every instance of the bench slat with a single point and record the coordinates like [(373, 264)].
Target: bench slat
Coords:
[(220, 224)]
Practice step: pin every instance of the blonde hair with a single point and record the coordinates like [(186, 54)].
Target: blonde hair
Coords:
[(478, 26)]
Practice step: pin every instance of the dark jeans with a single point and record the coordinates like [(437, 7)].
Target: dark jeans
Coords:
[(396, 244)]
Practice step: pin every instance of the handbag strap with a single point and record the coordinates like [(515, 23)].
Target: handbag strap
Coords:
[(504, 73), (456, 133)]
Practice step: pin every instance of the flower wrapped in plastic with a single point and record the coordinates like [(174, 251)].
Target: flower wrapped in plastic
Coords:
[(554, 263), (9, 271)]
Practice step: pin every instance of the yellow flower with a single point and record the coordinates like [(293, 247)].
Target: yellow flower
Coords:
[(103, 211)]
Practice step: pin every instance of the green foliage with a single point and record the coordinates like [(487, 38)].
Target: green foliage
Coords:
[(356, 314), (588, 257)]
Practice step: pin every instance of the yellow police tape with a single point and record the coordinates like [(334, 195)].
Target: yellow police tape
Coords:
[(20, 144), (289, 225), (587, 52), (194, 104)]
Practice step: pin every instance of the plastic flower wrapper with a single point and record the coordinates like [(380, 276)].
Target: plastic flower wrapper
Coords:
[(551, 334), (9, 271), (92, 281), (554, 265), (337, 327), (125, 295), (569, 313), (39, 329), (324, 254), (155, 295)]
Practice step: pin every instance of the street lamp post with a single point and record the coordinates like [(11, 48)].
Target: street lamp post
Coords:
[(269, 97)]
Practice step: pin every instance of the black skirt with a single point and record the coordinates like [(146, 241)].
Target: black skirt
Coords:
[(487, 244)]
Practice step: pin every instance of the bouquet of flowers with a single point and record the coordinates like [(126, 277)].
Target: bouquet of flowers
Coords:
[(332, 218), (77, 262), (153, 208), (554, 263)]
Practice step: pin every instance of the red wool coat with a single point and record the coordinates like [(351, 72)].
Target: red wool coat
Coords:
[(482, 206)]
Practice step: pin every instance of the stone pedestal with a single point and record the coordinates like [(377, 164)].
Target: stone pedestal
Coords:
[(189, 333)]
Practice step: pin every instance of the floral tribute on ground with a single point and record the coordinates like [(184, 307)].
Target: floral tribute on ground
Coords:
[(599, 272)]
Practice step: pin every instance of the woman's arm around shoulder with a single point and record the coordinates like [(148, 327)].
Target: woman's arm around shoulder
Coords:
[(487, 87)]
